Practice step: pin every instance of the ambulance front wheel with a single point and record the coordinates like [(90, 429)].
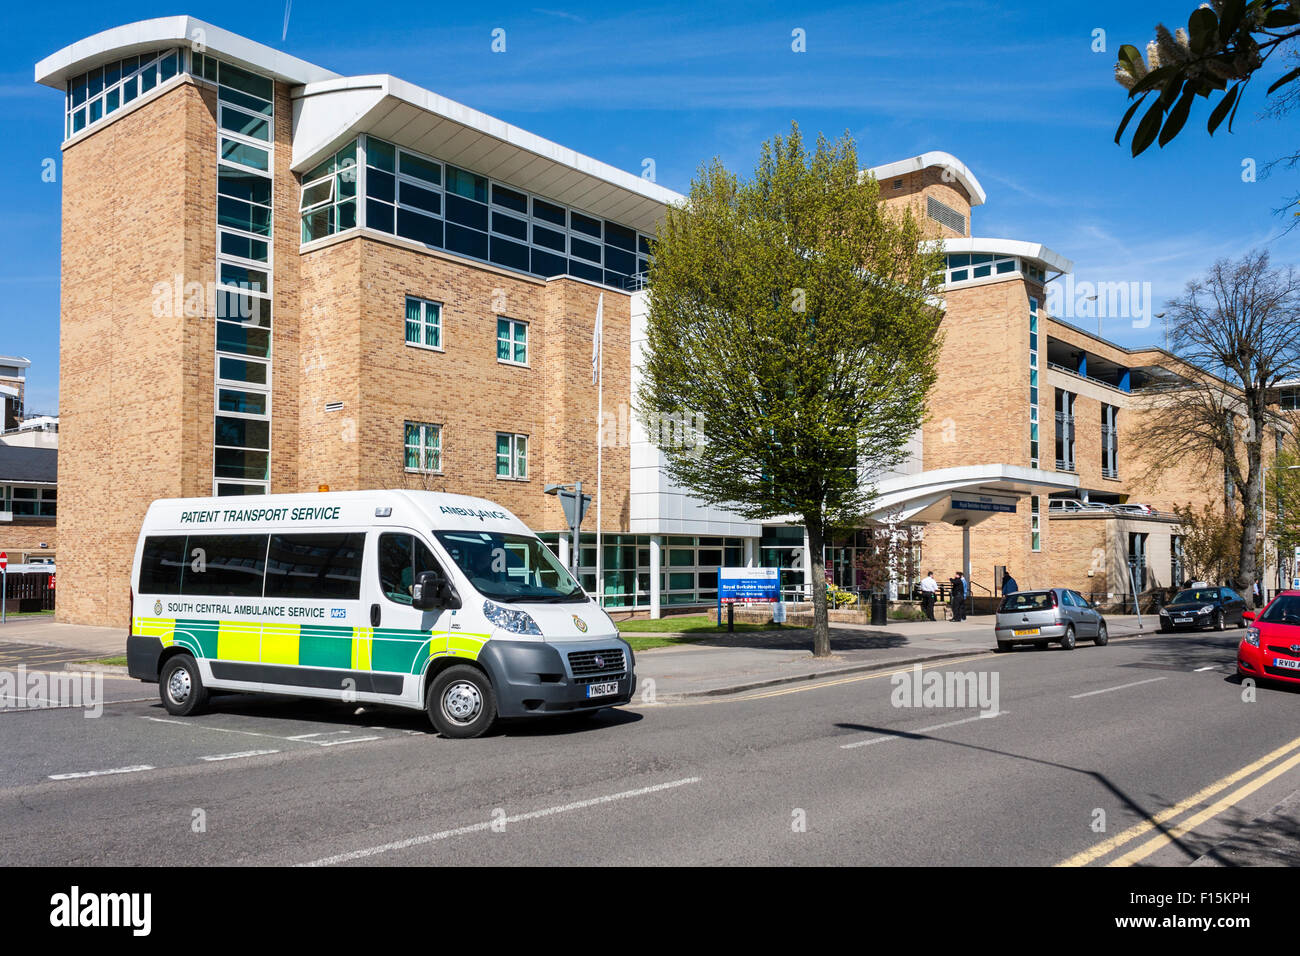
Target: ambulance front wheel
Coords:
[(181, 687), (461, 702)]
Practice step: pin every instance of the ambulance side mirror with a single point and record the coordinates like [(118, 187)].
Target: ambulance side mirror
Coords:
[(432, 592)]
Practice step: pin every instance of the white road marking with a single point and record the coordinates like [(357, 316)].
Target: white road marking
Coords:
[(242, 753), (11, 705), (1107, 690), (1210, 668), (346, 740), (98, 773), (480, 827), (299, 739), (902, 734)]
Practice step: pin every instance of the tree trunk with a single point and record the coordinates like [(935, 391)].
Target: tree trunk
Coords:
[(821, 620), (1247, 570)]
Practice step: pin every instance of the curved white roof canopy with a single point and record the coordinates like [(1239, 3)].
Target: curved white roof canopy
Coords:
[(328, 114), (146, 35), (927, 496), (945, 161), (1035, 251)]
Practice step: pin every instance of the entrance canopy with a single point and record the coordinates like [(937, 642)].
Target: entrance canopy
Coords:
[(965, 495)]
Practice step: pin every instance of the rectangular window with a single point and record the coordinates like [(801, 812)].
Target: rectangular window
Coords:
[(240, 370), (1064, 430), (512, 341), (244, 403), (423, 322), (319, 566), (224, 565), (1035, 523), (1109, 441), (423, 444), (512, 456), (464, 183), (1137, 560), (161, 564)]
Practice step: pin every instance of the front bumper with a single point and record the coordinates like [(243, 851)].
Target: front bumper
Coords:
[(1198, 622), (1258, 662), (534, 679)]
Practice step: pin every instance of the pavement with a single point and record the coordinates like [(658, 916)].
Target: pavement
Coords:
[(713, 665), (732, 663)]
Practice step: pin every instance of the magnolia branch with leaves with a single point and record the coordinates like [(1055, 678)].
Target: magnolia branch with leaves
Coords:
[(1225, 43)]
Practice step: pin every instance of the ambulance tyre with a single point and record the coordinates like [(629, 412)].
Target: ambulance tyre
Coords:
[(461, 702), (181, 688)]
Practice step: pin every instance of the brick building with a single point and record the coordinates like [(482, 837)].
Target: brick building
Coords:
[(276, 278)]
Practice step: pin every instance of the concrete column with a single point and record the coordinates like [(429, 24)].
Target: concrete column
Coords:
[(965, 561), (656, 562), (751, 552), (564, 551)]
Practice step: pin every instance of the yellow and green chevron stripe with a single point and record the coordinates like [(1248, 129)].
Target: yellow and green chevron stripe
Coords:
[(391, 650)]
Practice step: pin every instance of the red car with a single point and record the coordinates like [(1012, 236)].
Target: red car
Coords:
[(1271, 648)]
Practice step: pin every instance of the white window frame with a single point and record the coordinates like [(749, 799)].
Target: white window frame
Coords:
[(514, 474), (512, 323), (425, 430), (424, 324)]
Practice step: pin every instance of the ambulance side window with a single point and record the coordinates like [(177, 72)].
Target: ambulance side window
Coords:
[(161, 564), (401, 558)]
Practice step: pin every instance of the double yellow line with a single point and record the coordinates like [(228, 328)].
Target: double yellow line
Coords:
[(1166, 835)]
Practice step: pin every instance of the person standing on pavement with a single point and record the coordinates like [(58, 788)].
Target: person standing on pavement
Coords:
[(1009, 585), (958, 597), (929, 592), (1256, 595)]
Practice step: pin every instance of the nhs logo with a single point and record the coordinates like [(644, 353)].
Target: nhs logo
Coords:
[(338, 612)]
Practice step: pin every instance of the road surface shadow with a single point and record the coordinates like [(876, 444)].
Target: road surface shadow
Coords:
[(1183, 844), (310, 711)]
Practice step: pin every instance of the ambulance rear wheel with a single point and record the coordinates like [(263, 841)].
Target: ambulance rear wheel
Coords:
[(461, 702), (181, 688)]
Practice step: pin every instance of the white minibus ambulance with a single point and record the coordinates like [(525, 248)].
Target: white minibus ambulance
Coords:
[(416, 599)]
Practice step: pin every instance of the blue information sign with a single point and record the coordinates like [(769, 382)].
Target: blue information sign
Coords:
[(748, 585)]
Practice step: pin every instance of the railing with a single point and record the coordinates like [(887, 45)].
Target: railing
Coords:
[(1086, 378), (29, 591)]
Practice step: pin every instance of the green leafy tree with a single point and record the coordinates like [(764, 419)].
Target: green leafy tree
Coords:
[(1211, 544), (793, 324), (1284, 504)]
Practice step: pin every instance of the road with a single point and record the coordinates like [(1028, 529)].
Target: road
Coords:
[(820, 773)]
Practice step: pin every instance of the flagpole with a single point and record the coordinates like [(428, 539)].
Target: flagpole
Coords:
[(600, 421)]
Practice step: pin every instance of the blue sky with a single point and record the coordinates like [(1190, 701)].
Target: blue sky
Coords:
[(1013, 90)]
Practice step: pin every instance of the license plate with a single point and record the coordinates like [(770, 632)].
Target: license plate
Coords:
[(1182, 620), (1025, 632), (602, 690), (1288, 664)]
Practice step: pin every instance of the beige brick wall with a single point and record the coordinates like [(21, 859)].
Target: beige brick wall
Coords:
[(22, 538), (354, 351), (137, 196), (912, 193)]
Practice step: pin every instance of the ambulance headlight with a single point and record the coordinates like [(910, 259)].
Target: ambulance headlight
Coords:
[(511, 619)]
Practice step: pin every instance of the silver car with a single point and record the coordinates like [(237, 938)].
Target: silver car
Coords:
[(1051, 616)]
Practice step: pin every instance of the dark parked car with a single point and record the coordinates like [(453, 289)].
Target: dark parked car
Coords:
[(1196, 608)]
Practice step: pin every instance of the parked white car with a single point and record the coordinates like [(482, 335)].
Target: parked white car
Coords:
[(1074, 504)]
